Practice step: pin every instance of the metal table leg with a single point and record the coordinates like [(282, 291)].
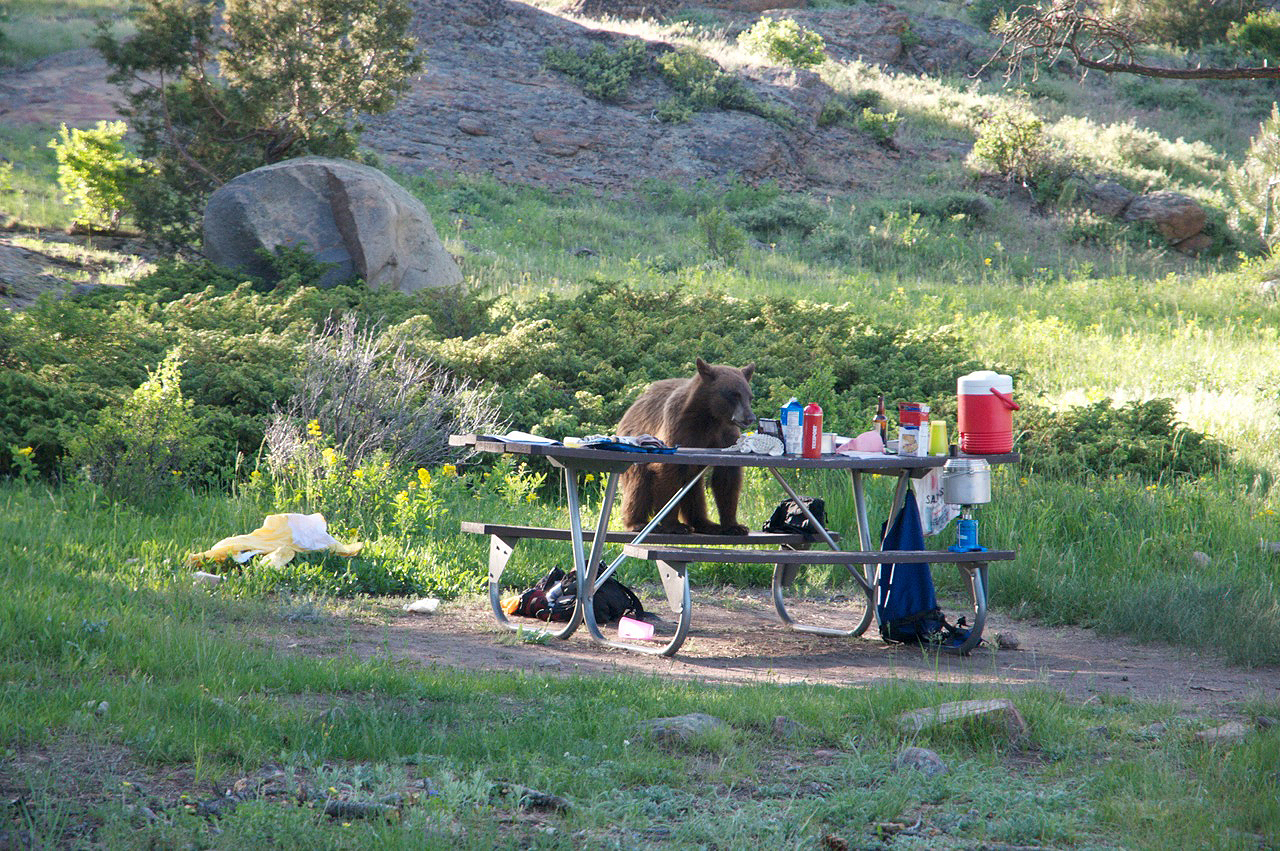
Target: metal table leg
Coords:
[(674, 576), (784, 575), (975, 577)]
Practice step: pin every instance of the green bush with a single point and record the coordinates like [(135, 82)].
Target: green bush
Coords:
[(604, 74), (1011, 142), (566, 365), (1259, 33), (1250, 182), (788, 214), (1184, 23), (216, 89), (144, 448), (701, 84), (1140, 439), (785, 41), (880, 126), (722, 237), (96, 173)]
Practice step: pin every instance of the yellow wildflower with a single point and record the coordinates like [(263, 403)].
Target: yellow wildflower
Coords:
[(987, 261), (26, 451), (449, 470), (589, 477), (357, 473), (424, 477), (255, 476), (330, 457), (313, 428)]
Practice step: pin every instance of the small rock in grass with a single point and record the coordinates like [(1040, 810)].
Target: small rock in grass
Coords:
[(1200, 559), (202, 578), (1229, 733), (923, 760), (681, 728), (1001, 711), (1151, 731)]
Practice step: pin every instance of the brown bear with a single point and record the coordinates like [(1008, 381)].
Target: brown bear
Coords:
[(707, 412)]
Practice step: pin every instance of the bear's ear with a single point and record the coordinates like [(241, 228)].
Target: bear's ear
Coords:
[(748, 371), (705, 370)]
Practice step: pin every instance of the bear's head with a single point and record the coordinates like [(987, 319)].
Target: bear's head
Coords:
[(727, 391)]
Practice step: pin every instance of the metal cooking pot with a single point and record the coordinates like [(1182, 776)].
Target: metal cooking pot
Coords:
[(966, 481)]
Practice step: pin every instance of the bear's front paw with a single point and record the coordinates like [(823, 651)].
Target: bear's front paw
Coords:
[(672, 528), (733, 529)]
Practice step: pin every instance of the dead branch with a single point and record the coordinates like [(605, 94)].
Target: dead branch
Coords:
[(1033, 35)]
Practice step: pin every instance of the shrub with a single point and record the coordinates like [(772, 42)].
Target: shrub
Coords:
[(372, 396), (1141, 439), (880, 126), (571, 365), (144, 448), (785, 41), (701, 84), (722, 237), (1251, 181), (984, 13), (790, 213), (1259, 33), (290, 79), (1184, 23), (95, 172), (604, 74), (1011, 142)]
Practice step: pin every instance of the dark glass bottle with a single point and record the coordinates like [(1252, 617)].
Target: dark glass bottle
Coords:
[(881, 422)]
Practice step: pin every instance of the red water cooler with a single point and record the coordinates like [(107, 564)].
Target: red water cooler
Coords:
[(986, 412)]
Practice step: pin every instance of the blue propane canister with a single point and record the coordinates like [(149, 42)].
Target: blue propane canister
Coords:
[(792, 418)]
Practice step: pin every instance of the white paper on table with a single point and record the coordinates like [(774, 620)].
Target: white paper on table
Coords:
[(935, 514), (854, 453), (525, 437)]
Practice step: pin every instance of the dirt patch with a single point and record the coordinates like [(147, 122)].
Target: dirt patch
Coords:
[(736, 638)]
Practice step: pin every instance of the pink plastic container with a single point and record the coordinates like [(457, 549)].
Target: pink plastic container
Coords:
[(634, 629), (986, 409)]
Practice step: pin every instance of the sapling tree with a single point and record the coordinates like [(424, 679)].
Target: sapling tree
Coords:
[(214, 89)]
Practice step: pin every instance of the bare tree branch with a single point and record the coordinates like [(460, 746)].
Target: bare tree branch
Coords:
[(1036, 34)]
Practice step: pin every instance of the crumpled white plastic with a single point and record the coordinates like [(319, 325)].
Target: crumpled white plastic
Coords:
[(279, 539)]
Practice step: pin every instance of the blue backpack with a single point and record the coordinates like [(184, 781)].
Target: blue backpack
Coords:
[(906, 605)]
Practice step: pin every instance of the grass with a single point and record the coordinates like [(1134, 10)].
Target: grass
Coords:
[(100, 611), (96, 606), (29, 190), (34, 29)]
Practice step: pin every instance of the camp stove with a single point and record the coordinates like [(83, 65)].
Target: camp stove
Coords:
[(966, 482)]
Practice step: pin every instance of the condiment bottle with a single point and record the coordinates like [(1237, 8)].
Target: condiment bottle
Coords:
[(881, 422), (812, 431)]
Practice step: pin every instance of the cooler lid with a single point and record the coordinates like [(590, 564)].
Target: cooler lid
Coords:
[(982, 382)]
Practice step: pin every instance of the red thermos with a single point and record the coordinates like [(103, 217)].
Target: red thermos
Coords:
[(812, 439)]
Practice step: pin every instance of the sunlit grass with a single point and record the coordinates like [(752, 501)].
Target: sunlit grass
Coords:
[(37, 28)]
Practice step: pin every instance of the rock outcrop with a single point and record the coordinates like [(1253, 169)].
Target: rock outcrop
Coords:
[(350, 216)]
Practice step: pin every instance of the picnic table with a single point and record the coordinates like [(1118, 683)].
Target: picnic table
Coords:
[(672, 553)]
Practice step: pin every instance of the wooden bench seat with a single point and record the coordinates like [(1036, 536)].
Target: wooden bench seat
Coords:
[(550, 533), (716, 555)]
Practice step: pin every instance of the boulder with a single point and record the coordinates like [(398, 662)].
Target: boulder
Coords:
[(1109, 198), (1176, 216), (348, 215)]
